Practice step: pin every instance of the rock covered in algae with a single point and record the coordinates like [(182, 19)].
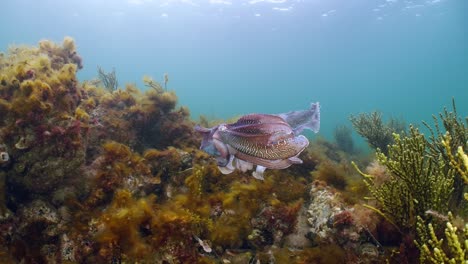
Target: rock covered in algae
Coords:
[(38, 213), (351, 228), (39, 94), (115, 177), (55, 134), (322, 209)]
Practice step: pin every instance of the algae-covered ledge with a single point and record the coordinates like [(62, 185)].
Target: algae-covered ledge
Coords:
[(96, 175)]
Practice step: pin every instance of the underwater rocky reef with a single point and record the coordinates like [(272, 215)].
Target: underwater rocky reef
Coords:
[(96, 175)]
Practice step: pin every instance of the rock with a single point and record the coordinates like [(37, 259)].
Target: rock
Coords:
[(322, 209)]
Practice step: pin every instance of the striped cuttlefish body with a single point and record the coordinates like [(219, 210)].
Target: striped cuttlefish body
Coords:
[(264, 140)]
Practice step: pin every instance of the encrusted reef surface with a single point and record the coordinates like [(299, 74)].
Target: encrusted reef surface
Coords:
[(95, 175)]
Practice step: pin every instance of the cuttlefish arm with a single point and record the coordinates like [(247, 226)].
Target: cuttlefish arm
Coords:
[(229, 168), (282, 164), (235, 163), (258, 173), (207, 143), (212, 144), (242, 165)]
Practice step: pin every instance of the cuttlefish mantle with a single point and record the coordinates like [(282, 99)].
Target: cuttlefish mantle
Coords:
[(263, 140)]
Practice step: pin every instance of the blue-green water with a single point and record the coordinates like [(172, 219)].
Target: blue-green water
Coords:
[(226, 58)]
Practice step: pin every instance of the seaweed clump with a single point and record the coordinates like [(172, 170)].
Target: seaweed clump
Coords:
[(74, 144), (118, 167), (447, 145), (419, 183), (39, 96), (343, 139), (109, 80), (377, 133), (139, 229), (454, 248)]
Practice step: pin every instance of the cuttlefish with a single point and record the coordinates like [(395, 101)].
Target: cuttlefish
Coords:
[(264, 140)]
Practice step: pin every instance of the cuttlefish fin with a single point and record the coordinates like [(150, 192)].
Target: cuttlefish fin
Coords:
[(305, 119), (258, 173), (313, 122), (252, 119)]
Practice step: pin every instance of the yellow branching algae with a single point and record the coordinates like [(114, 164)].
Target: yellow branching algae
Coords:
[(119, 226), (424, 180)]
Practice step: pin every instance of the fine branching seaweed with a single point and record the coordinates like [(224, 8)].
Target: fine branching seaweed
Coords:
[(344, 139), (108, 79), (377, 133), (452, 249), (150, 83), (418, 182), (446, 145), (426, 180)]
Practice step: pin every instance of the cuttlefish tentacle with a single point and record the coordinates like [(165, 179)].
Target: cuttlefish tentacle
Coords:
[(229, 168), (243, 165), (207, 143), (223, 157), (258, 173)]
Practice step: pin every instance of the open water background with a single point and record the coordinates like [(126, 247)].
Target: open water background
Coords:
[(226, 58)]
